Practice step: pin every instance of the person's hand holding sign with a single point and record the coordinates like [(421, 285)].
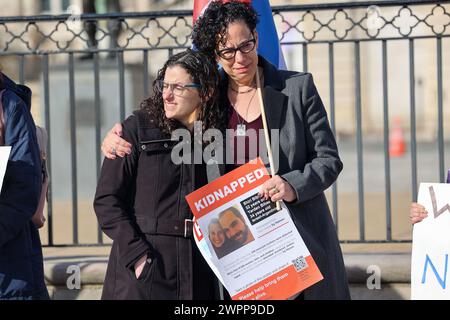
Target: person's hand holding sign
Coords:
[(417, 212), (277, 189)]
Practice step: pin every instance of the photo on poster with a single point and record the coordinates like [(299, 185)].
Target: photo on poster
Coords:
[(228, 231)]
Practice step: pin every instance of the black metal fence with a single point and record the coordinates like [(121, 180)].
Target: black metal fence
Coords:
[(315, 38)]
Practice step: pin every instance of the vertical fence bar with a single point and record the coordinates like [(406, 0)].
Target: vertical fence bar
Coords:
[(305, 57), (359, 145), (45, 75), (145, 75), (387, 164), (73, 148), (412, 93), (22, 69), (97, 128), (333, 128), (121, 85), (97, 112), (442, 176)]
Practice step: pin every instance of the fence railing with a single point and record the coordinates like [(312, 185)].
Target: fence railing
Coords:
[(94, 69)]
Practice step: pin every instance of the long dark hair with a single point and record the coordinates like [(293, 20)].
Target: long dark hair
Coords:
[(203, 72)]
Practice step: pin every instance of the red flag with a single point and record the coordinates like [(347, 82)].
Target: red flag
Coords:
[(201, 5)]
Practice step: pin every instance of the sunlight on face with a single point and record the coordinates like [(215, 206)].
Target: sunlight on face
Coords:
[(242, 67), (183, 106)]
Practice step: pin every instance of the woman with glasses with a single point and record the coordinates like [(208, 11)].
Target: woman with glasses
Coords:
[(308, 159), (140, 199)]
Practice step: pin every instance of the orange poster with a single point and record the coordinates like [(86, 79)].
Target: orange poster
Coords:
[(255, 250)]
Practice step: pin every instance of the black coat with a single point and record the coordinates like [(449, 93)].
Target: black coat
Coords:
[(140, 204), (21, 263)]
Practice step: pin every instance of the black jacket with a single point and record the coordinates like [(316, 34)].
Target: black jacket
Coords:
[(140, 204)]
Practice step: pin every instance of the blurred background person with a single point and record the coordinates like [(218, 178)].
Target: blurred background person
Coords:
[(21, 260), (114, 26)]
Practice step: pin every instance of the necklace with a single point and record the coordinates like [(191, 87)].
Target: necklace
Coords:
[(241, 129), (237, 91)]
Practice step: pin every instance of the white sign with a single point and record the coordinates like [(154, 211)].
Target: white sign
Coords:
[(431, 245), (4, 156)]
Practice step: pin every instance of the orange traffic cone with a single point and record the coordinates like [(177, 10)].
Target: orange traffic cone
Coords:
[(396, 139)]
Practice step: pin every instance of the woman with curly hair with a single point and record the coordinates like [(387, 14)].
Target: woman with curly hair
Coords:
[(308, 158), (140, 199)]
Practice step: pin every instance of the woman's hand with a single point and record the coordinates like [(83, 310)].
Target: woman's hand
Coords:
[(113, 145), (139, 266), (417, 213), (277, 189)]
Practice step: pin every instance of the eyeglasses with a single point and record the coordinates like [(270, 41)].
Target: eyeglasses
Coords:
[(175, 88), (230, 53)]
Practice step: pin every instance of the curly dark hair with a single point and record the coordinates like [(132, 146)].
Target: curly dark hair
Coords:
[(204, 72), (210, 30)]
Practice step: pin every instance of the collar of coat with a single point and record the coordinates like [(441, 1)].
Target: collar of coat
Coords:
[(272, 77)]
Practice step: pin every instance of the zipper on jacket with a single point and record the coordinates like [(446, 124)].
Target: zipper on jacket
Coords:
[(177, 239)]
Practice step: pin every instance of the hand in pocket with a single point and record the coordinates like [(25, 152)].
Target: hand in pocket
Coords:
[(139, 266)]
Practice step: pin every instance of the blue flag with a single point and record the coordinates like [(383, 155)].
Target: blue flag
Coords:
[(269, 45)]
